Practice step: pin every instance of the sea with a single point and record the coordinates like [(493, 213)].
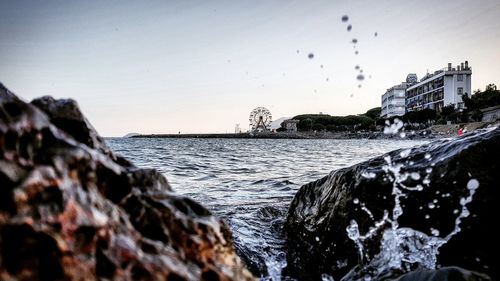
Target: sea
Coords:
[(249, 183)]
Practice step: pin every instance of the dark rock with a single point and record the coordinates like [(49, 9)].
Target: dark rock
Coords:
[(443, 274), (72, 210), (432, 180)]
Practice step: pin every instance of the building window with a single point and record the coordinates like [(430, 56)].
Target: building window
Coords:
[(460, 90), (460, 77)]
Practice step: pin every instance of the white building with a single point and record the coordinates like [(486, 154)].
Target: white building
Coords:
[(442, 88), (393, 101), (290, 125)]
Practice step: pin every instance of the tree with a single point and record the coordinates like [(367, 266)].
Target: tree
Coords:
[(479, 100), (448, 113), (374, 113)]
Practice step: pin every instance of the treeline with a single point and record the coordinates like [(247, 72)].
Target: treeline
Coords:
[(480, 100), (325, 122)]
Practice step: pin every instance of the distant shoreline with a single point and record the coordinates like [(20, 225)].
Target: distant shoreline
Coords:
[(433, 132), (283, 135)]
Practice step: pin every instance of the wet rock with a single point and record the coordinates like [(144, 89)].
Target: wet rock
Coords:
[(443, 274), (434, 183), (72, 210)]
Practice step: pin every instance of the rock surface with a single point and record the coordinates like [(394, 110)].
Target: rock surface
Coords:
[(443, 274), (72, 210), (434, 184)]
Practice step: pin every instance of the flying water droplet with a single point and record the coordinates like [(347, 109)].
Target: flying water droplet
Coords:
[(354, 40), (355, 200), (349, 27), (310, 56), (345, 18), (356, 52), (431, 206), (415, 176), (435, 232), (473, 184), (356, 67), (360, 77), (376, 34)]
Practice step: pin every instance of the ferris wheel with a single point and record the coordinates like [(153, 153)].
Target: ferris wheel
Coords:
[(260, 119)]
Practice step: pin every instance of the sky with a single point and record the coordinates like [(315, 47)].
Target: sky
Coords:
[(202, 66)]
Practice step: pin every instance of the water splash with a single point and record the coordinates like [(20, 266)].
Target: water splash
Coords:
[(403, 248), (393, 128)]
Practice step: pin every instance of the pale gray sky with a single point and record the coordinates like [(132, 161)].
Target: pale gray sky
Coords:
[(202, 66)]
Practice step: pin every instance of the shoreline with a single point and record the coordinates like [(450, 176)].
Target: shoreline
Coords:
[(432, 132), (299, 135)]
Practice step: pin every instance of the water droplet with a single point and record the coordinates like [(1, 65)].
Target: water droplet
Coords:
[(354, 40), (427, 156), (405, 153), (326, 277), (317, 238), (356, 67), (352, 230), (376, 34), (298, 51), (327, 79), (415, 176), (402, 135), (345, 18), (473, 184), (359, 85), (427, 217), (431, 205), (356, 52), (428, 170), (352, 95), (360, 77), (321, 66), (310, 56), (435, 232), (435, 200), (349, 27), (355, 200)]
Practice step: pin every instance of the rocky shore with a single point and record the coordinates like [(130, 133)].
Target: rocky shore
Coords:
[(70, 209), (413, 209)]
